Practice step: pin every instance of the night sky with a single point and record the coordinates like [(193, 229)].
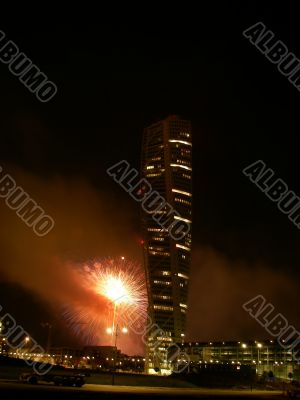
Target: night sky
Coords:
[(115, 76)]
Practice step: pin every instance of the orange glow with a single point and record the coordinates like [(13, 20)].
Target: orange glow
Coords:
[(115, 290)]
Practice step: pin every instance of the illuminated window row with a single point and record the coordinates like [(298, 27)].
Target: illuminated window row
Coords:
[(164, 338), (154, 253), (152, 175), (185, 152), (181, 166), (162, 297), (183, 162), (184, 134), (154, 229), (186, 202), (156, 248), (182, 276), (180, 246), (186, 176), (183, 305), (155, 158), (166, 283), (182, 192), (180, 141), (159, 239), (183, 219), (163, 308)]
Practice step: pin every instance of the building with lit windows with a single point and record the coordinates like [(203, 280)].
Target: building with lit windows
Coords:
[(263, 356), (167, 166)]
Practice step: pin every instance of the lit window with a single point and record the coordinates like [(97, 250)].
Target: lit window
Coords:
[(159, 239), (156, 158), (163, 308), (183, 276), (152, 175), (162, 297), (180, 141), (182, 192), (181, 166), (186, 202), (183, 219), (156, 248), (164, 339), (180, 246)]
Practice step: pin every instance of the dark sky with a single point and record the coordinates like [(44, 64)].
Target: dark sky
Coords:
[(115, 75)]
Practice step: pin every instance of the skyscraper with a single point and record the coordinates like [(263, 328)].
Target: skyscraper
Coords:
[(167, 166)]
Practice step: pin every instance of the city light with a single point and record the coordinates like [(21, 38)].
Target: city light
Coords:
[(124, 330), (109, 331)]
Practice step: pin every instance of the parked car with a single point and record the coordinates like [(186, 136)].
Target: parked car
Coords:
[(58, 379)]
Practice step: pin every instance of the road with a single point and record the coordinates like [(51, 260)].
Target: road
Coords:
[(89, 391)]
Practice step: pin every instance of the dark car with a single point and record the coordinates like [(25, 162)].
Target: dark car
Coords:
[(68, 380), (57, 379), (29, 378)]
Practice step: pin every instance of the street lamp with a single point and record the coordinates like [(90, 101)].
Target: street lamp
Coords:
[(259, 346), (244, 346), (115, 331), (26, 340)]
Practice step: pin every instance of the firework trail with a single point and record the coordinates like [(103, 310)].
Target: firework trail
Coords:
[(115, 288)]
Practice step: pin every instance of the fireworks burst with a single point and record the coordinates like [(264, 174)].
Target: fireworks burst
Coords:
[(111, 284), (120, 282)]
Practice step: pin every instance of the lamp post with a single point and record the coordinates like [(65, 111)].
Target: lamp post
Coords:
[(26, 341), (259, 346), (115, 332), (244, 346)]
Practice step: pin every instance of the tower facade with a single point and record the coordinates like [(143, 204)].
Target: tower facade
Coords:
[(167, 167)]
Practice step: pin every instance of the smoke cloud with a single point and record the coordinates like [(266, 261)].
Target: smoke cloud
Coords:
[(89, 225), (220, 286)]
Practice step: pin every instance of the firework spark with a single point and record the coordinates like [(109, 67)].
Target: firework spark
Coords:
[(120, 282), (108, 284)]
